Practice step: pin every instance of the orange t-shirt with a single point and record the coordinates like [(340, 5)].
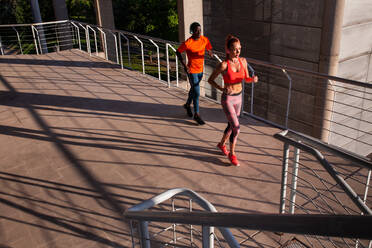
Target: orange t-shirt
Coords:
[(195, 50)]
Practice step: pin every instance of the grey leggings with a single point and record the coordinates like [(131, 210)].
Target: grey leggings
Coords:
[(231, 105)]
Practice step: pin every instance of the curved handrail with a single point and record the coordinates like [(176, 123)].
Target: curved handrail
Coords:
[(332, 172), (195, 197)]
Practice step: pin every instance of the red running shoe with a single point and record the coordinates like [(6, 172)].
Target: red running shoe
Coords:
[(223, 149), (234, 160)]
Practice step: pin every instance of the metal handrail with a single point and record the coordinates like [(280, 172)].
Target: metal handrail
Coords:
[(141, 36), (19, 40), (38, 23), (86, 37), (121, 57), (37, 32), (1, 47), (157, 51), (346, 226), (95, 37), (331, 171), (78, 31), (116, 46), (289, 96), (104, 41), (142, 55), (254, 61), (195, 197), (309, 73), (168, 66), (362, 161)]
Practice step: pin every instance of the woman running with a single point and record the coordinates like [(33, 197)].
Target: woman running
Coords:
[(195, 49), (234, 70)]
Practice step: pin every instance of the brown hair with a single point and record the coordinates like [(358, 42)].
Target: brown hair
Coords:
[(230, 39)]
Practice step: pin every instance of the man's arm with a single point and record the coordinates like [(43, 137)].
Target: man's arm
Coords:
[(179, 56)]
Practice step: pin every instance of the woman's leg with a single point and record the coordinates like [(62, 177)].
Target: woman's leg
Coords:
[(226, 135), (228, 108), (231, 106)]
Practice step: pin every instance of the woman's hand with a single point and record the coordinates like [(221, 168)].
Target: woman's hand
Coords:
[(227, 91), (255, 79)]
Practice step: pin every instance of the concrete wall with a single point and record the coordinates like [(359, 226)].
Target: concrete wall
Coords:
[(299, 33), (355, 62), (189, 11), (281, 31)]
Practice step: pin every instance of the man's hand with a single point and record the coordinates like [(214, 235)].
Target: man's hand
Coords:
[(187, 70), (210, 53)]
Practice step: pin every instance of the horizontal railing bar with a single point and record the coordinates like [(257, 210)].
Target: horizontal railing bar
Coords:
[(130, 33), (25, 25), (348, 226), (328, 147), (310, 73)]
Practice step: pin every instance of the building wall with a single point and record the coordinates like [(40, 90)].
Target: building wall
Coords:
[(289, 32), (281, 31), (189, 11), (355, 62)]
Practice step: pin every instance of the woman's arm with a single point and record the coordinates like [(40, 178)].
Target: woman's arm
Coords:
[(247, 78), (218, 70)]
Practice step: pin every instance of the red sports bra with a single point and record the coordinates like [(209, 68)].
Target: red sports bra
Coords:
[(231, 77)]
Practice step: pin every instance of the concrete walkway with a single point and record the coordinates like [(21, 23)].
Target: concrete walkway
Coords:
[(83, 140)]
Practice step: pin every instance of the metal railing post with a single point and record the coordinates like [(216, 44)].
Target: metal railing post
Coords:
[(87, 38), (105, 42), (19, 40), (157, 51), (168, 66), (144, 234), (168, 76), (208, 236), (284, 178), (252, 88), (56, 31), (120, 52), (294, 180), (1, 47), (364, 200), (116, 46), (33, 34), (78, 33), (95, 37), (289, 96), (143, 57), (126, 38), (42, 43)]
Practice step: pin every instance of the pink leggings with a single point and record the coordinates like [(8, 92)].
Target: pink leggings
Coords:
[(231, 105)]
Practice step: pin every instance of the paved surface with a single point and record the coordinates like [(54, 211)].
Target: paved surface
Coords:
[(83, 140)]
